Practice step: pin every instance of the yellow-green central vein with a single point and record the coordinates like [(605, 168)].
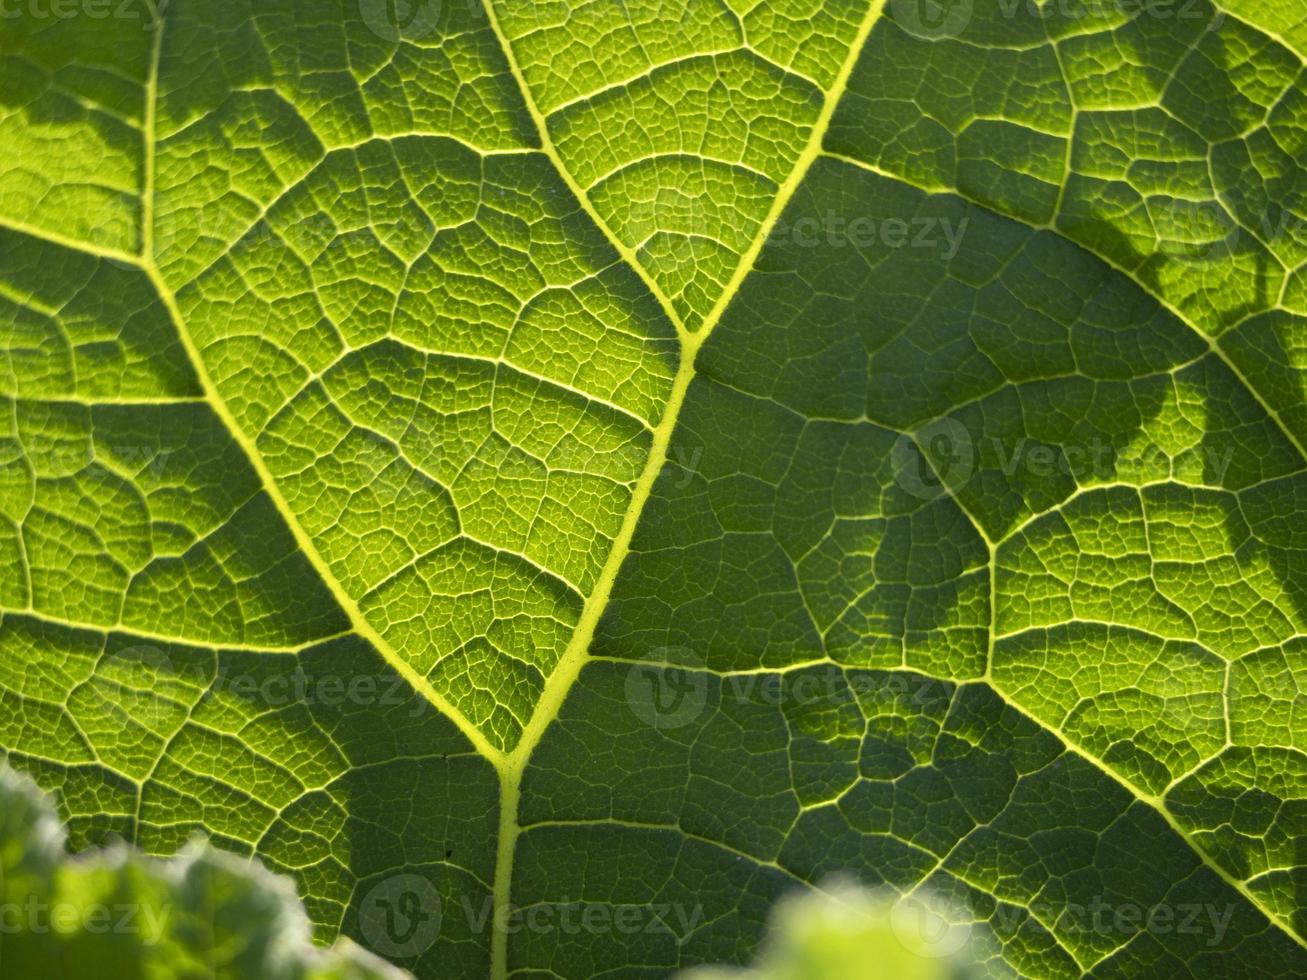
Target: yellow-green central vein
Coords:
[(569, 667)]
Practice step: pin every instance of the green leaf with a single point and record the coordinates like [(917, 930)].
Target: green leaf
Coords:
[(557, 478)]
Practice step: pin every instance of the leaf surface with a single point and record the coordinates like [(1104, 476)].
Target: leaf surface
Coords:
[(655, 456)]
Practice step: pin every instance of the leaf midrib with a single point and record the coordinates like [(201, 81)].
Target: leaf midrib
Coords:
[(511, 765), (569, 666)]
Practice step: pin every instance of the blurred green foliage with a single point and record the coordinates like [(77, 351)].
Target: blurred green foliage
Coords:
[(116, 914)]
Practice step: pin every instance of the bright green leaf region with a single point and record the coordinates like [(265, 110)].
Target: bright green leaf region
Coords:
[(556, 477)]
